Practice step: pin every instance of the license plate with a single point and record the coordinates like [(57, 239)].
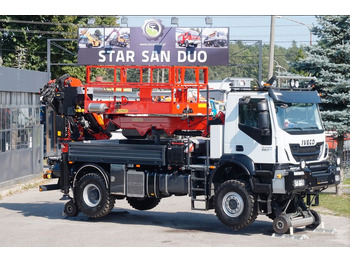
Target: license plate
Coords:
[(322, 180)]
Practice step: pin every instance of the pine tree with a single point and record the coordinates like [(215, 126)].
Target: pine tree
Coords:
[(329, 61)]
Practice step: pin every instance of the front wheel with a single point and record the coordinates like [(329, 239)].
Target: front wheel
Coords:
[(234, 205), (93, 197)]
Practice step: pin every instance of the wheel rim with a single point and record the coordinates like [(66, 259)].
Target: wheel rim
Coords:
[(280, 225), (233, 204), (92, 195)]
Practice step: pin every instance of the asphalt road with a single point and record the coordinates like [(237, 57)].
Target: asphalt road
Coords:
[(34, 219)]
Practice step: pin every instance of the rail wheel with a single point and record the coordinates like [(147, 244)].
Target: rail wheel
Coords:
[(71, 209), (281, 224), (317, 221)]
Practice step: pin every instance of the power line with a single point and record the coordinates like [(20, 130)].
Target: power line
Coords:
[(35, 23), (36, 31), (51, 23)]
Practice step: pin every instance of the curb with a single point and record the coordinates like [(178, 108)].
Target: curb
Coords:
[(21, 184)]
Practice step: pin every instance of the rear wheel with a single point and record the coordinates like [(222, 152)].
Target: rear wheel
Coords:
[(143, 203), (234, 205), (93, 198)]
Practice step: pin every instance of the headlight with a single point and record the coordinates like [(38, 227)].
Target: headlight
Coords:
[(337, 178), (299, 183)]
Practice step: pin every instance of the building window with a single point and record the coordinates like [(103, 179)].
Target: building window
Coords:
[(19, 114)]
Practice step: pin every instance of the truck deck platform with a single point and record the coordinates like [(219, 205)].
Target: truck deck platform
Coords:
[(116, 152)]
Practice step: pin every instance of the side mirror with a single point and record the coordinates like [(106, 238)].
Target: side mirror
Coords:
[(264, 118)]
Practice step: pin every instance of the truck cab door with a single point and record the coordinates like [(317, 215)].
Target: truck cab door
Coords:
[(251, 134)]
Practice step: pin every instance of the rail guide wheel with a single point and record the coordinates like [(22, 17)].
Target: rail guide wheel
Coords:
[(281, 224), (71, 209)]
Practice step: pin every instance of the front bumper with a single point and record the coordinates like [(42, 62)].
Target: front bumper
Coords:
[(314, 177)]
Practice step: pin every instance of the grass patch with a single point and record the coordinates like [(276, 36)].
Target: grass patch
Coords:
[(338, 205), (346, 181)]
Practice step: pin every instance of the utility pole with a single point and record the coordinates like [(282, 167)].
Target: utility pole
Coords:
[(272, 46)]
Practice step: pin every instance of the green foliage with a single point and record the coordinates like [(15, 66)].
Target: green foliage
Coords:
[(244, 59), (24, 44), (329, 61)]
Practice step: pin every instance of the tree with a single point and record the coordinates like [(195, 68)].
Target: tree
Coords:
[(23, 40), (244, 59), (329, 61)]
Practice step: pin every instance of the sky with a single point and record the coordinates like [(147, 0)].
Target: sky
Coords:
[(247, 20)]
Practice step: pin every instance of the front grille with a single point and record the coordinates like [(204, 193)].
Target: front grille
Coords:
[(307, 153), (319, 168)]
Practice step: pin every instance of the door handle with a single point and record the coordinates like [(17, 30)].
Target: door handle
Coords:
[(239, 148)]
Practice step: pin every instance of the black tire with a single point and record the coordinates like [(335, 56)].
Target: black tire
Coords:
[(281, 224), (234, 205), (143, 203), (317, 221), (71, 209), (92, 195)]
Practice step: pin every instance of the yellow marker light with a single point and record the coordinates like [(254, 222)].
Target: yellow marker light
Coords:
[(47, 174), (279, 176)]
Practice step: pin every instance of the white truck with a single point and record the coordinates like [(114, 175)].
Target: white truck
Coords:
[(216, 39), (268, 155)]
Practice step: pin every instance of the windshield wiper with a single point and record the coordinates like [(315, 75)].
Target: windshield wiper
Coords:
[(294, 128), (312, 127)]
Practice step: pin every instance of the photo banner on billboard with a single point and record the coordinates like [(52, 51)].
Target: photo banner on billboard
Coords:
[(153, 44)]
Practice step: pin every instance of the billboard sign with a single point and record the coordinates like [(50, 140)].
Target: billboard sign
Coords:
[(153, 44)]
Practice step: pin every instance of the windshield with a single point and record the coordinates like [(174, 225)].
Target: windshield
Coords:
[(294, 117), (194, 33)]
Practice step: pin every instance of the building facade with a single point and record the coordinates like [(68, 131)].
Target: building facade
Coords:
[(21, 134)]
